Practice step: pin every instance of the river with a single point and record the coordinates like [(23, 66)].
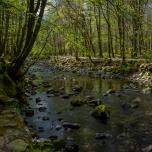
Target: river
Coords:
[(129, 128)]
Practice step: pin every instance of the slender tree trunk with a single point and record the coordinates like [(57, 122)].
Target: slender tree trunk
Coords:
[(98, 27)]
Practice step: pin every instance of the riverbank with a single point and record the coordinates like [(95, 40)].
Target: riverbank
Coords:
[(14, 135), (138, 71)]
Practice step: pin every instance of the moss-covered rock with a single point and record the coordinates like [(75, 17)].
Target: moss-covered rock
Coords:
[(76, 102), (102, 112), (6, 100), (18, 145), (8, 118)]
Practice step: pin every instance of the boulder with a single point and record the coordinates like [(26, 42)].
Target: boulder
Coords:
[(102, 112)]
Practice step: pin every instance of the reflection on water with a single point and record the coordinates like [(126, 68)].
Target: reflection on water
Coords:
[(134, 124)]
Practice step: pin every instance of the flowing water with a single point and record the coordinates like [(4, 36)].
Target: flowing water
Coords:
[(129, 129)]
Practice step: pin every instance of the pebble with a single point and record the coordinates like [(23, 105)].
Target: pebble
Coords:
[(38, 100), (58, 127)]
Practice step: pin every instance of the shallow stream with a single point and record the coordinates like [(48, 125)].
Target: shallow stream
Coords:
[(129, 128)]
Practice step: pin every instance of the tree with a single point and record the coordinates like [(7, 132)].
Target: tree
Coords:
[(21, 30)]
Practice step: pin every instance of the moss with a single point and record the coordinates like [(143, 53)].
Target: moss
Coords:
[(76, 102), (9, 118), (147, 73), (5, 99), (102, 112)]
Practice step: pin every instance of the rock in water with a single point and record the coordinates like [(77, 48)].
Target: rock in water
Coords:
[(45, 118), (42, 109), (102, 112), (71, 125), (76, 102), (38, 100), (77, 89), (66, 96), (126, 106), (58, 127), (109, 92)]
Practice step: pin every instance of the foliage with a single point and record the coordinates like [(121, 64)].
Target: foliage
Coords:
[(149, 55), (91, 27)]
